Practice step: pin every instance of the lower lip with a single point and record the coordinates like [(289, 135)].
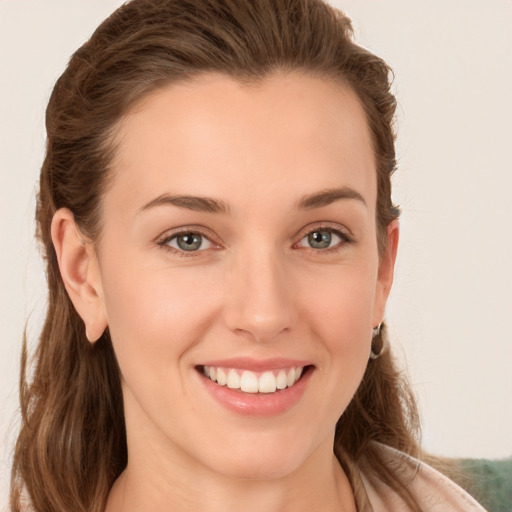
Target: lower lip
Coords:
[(258, 404)]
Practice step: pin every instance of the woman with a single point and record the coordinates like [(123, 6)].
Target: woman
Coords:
[(215, 207)]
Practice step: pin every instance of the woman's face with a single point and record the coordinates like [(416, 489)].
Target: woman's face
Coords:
[(239, 240)]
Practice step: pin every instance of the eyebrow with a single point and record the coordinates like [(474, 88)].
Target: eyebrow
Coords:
[(327, 197), (210, 205), (197, 204)]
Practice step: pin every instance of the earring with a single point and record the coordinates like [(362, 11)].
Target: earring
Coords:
[(377, 342)]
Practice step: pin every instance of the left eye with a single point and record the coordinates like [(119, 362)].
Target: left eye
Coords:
[(321, 239), (188, 242)]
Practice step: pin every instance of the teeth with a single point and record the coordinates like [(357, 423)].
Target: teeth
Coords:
[(222, 378), (267, 383), (281, 380), (290, 377), (233, 381), (250, 382)]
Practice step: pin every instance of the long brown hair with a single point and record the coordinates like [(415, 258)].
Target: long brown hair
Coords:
[(72, 443)]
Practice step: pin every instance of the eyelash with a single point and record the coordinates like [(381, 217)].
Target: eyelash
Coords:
[(344, 237)]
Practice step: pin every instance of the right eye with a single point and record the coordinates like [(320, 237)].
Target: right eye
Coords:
[(188, 241)]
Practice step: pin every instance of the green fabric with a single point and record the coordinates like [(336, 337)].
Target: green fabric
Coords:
[(489, 481)]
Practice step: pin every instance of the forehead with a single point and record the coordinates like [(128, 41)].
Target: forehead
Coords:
[(217, 137)]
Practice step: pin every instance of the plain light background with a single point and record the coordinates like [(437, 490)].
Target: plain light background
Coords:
[(451, 307)]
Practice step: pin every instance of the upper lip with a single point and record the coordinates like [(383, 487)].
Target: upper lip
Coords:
[(252, 364)]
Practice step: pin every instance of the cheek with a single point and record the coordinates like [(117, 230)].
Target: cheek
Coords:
[(340, 314), (339, 305), (155, 315)]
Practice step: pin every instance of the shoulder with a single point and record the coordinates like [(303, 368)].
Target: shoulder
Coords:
[(432, 489)]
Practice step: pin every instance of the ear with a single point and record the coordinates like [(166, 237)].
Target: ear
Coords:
[(79, 268), (386, 272)]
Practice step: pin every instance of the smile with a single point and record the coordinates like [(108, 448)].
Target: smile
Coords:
[(254, 382)]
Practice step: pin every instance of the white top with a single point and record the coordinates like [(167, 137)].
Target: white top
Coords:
[(432, 490)]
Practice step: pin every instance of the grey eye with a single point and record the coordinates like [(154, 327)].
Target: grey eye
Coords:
[(321, 239), (189, 242)]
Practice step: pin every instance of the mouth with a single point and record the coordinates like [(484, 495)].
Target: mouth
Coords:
[(246, 381)]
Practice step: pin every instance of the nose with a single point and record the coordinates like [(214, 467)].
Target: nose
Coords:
[(260, 304)]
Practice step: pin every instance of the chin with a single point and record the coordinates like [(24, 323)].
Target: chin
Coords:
[(271, 459)]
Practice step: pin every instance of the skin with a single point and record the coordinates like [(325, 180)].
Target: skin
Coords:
[(256, 288)]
